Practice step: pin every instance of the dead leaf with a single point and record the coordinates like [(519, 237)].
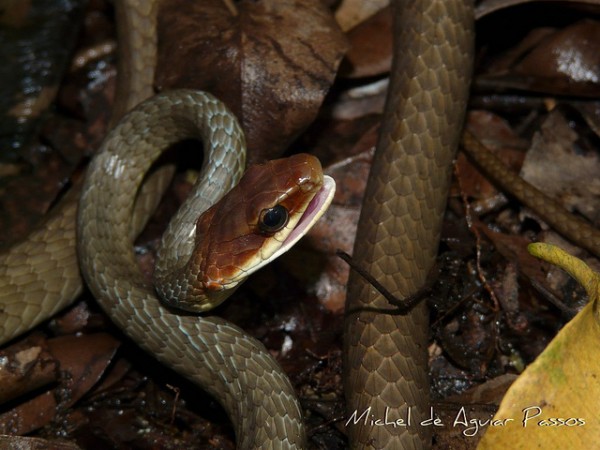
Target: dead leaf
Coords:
[(359, 101), (82, 361), (25, 367), (549, 60), (489, 392), (352, 12), (557, 167), (466, 415), (570, 53), (486, 7), (336, 230), (272, 63), (370, 51), (85, 358), (31, 443)]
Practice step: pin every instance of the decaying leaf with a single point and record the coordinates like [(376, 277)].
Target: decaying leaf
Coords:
[(486, 7), (337, 228), (370, 51), (467, 413), (24, 368), (82, 360), (550, 60), (30, 443), (352, 12), (556, 167), (570, 53), (272, 62)]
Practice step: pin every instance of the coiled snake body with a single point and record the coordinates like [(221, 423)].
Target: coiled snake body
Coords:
[(385, 359), (218, 356)]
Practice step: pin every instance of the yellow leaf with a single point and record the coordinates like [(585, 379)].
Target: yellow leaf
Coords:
[(555, 402)]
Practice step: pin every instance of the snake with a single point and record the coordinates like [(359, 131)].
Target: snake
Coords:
[(385, 355), (226, 230)]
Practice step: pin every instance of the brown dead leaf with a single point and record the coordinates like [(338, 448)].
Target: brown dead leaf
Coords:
[(549, 60), (352, 12), (514, 248), (30, 443), (82, 361), (569, 53), (465, 416), (85, 358), (489, 392), (74, 320), (370, 51), (507, 60), (335, 231), (25, 367), (351, 173), (272, 63), (556, 167), (357, 102), (486, 7)]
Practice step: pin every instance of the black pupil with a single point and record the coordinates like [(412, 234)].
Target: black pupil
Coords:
[(273, 219)]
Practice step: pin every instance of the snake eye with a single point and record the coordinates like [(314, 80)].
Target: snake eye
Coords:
[(271, 220)]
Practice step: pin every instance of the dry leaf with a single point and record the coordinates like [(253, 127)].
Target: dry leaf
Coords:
[(557, 61), (272, 63), (352, 12), (370, 51), (570, 53), (337, 228), (466, 414), (83, 359), (25, 367), (486, 7), (30, 443), (556, 167)]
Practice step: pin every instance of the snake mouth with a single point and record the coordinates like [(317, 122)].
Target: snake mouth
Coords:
[(297, 227), (315, 209)]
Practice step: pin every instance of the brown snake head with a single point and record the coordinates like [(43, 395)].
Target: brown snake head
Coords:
[(262, 217)]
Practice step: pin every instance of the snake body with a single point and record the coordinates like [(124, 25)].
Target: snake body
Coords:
[(40, 276), (233, 367), (268, 416), (398, 232), (385, 354)]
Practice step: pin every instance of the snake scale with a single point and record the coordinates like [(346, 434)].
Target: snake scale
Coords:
[(230, 365), (401, 218), (385, 354), (267, 415)]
